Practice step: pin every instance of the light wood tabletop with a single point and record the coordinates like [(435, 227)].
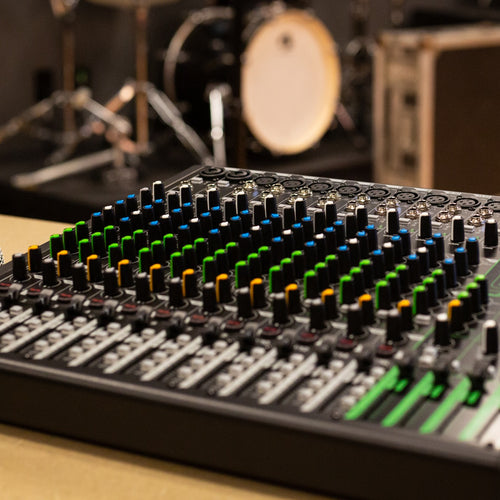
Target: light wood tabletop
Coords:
[(34, 465)]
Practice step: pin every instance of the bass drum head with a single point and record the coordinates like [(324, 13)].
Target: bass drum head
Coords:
[(290, 83)]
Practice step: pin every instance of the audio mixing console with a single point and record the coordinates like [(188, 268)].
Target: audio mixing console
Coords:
[(330, 335)]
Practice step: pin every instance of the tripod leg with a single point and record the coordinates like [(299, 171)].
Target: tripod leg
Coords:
[(170, 115), (54, 172), (16, 124)]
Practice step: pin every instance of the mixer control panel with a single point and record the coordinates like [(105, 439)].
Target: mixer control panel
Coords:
[(298, 329)]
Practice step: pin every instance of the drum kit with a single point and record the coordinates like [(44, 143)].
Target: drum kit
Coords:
[(241, 73)]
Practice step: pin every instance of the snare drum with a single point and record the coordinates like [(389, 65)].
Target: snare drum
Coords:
[(290, 79)]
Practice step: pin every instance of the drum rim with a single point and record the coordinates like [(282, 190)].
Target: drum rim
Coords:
[(334, 71), (175, 47)]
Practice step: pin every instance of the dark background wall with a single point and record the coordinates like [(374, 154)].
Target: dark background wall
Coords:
[(30, 36)]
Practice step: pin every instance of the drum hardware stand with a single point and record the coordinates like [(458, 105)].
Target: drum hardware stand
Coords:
[(217, 95), (236, 105), (359, 66), (146, 94), (114, 127)]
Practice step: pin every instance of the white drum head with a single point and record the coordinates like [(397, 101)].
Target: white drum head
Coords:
[(290, 82)]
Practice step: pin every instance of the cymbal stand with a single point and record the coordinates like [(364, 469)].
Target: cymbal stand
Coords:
[(146, 94), (69, 100)]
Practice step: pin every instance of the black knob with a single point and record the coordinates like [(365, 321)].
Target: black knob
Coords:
[(94, 269), (247, 339), (257, 293), (259, 213), (439, 241), (79, 275), (489, 337), (175, 292), (64, 264), (209, 297), (389, 255), (344, 259), (213, 198), (351, 225), (405, 236), (378, 264), (362, 217), (457, 229), (284, 346), (364, 248), (347, 290), (56, 245), (330, 303), (223, 288), (393, 334), (450, 270), (142, 291), (49, 272), (271, 205), (244, 302), (288, 216), (491, 233), (423, 258), (125, 274), (108, 216), (311, 286), (158, 190), (472, 247), (404, 307), (330, 213), (475, 297), (317, 315), (319, 221), (185, 192), (280, 309), (392, 221), (424, 226), (383, 295), (367, 309), (300, 209), (308, 228), (201, 204), (340, 232), (241, 201), (35, 259), (398, 248), (355, 321), (371, 232), (456, 316), (461, 261), (292, 294), (19, 269), (209, 334), (413, 263), (189, 283), (324, 353), (110, 277), (420, 300), (442, 336), (430, 245)]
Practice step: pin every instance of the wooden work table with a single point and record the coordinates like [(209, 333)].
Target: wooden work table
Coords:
[(40, 466)]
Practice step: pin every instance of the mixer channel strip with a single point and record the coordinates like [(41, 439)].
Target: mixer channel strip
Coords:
[(327, 325)]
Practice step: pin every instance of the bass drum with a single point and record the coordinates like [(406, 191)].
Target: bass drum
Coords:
[(290, 75)]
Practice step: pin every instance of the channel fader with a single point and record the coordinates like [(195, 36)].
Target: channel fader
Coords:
[(331, 335)]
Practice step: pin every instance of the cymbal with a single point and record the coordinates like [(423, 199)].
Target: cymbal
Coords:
[(131, 4)]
